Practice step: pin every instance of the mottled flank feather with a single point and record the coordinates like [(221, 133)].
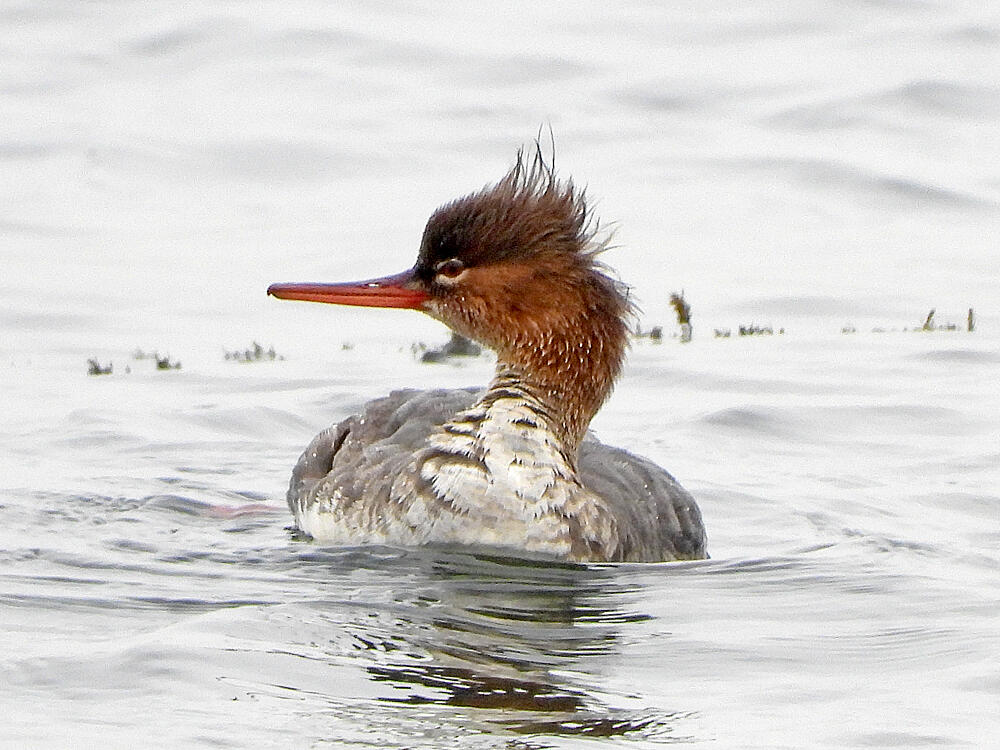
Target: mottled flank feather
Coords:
[(622, 507)]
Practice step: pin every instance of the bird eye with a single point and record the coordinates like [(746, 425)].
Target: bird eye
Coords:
[(449, 268)]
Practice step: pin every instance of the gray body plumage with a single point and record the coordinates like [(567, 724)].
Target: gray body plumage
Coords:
[(482, 469)]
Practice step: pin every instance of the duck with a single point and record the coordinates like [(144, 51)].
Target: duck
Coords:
[(511, 467)]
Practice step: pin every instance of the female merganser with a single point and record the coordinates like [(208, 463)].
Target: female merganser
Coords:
[(513, 267)]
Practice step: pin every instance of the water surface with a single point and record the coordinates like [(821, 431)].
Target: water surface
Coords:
[(796, 166)]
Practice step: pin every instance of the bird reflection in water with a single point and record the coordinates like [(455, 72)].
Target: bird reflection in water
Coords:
[(517, 647)]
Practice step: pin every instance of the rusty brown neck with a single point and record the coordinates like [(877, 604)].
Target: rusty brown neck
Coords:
[(563, 379)]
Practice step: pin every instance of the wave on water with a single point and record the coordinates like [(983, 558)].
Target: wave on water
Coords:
[(799, 166), (958, 356)]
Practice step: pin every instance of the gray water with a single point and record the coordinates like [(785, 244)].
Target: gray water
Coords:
[(804, 166)]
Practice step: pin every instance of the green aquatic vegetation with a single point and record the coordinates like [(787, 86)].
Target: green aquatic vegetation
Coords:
[(253, 353), (683, 310), (165, 363), (96, 368), (755, 330), (457, 346), (654, 334)]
